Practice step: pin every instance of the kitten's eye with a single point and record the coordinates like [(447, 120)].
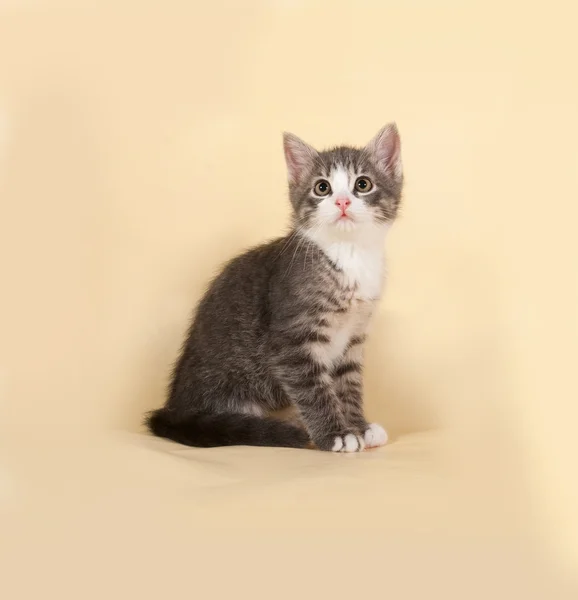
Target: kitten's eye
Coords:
[(322, 188), (363, 184)]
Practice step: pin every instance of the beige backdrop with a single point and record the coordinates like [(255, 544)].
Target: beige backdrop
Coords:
[(140, 147)]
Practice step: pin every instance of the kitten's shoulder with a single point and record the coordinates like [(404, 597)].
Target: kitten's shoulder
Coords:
[(266, 251), (254, 262), (283, 254)]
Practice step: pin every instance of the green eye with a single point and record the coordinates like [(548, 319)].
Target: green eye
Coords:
[(322, 188), (363, 184)]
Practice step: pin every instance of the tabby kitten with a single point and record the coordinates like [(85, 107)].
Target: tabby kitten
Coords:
[(284, 324)]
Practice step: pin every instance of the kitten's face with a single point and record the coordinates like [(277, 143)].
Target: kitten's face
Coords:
[(345, 191)]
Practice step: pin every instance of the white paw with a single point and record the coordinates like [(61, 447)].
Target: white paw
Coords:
[(348, 443), (375, 435)]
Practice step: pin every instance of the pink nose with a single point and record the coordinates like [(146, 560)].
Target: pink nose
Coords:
[(343, 203)]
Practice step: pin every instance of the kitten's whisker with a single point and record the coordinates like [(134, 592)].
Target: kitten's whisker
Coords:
[(299, 244), (287, 243), (311, 238)]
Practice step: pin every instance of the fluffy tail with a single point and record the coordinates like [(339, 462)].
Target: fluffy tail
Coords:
[(209, 430)]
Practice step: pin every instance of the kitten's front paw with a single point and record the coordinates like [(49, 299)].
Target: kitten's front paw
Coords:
[(346, 442), (375, 435)]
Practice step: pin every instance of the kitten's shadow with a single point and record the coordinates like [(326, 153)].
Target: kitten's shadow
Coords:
[(393, 397)]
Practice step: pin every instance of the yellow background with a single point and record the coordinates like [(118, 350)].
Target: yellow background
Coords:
[(140, 147)]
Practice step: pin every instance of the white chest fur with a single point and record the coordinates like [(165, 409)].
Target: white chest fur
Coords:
[(363, 267), (360, 257), (345, 326)]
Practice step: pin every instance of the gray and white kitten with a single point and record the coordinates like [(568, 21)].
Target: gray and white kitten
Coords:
[(284, 324)]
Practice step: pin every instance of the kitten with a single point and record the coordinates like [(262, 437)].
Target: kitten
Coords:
[(284, 324)]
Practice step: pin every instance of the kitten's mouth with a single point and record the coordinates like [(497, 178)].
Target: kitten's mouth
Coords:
[(344, 223), (343, 217)]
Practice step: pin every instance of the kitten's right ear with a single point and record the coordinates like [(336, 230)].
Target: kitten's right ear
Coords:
[(299, 157)]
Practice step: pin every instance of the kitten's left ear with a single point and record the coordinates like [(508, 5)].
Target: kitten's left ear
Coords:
[(385, 150), (299, 156)]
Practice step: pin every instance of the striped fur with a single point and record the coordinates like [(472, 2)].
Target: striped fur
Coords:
[(284, 324)]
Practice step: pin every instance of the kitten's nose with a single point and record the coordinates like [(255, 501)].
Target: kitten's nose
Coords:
[(343, 202)]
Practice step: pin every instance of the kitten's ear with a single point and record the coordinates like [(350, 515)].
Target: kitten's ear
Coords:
[(385, 150), (299, 156)]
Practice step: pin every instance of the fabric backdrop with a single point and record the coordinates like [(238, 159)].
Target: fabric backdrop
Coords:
[(140, 148)]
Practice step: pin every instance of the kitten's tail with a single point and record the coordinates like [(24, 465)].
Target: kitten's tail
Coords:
[(205, 430)]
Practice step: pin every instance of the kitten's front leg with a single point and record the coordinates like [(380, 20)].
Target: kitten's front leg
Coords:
[(348, 379), (308, 383)]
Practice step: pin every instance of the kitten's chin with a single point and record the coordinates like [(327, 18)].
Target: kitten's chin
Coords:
[(355, 231), (356, 227), (349, 231), (346, 225)]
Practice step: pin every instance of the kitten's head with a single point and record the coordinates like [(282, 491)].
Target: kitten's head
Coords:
[(345, 191)]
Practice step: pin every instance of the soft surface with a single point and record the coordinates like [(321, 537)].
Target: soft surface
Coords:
[(125, 515)]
